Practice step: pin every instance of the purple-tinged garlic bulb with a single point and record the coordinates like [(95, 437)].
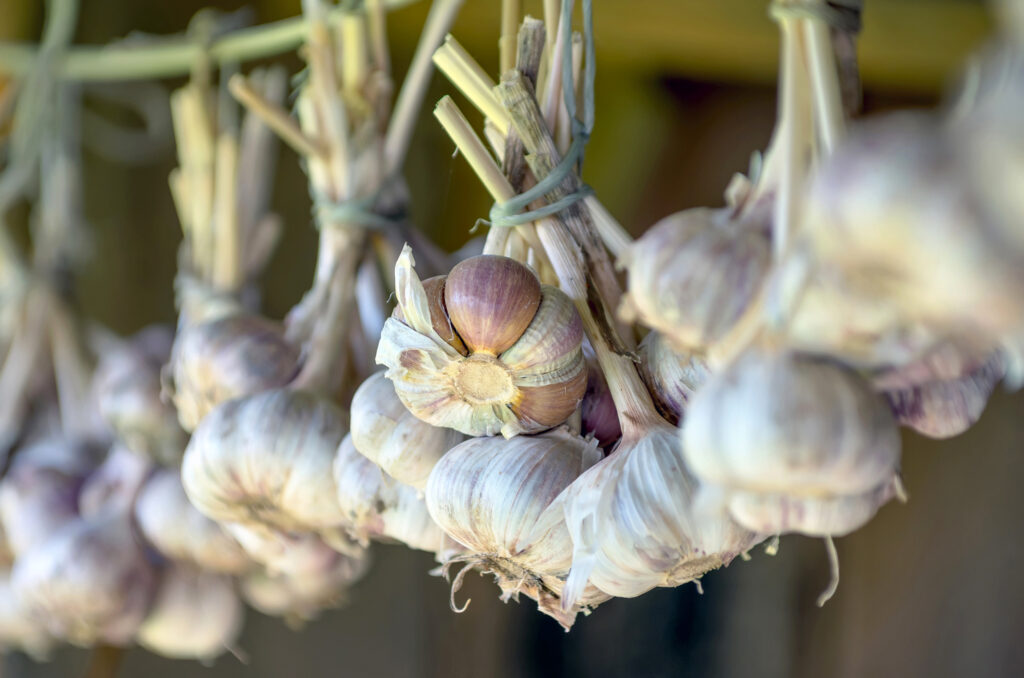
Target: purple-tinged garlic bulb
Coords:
[(694, 273), (175, 528), (946, 361), (127, 386), (793, 444), (293, 553), (598, 415), (266, 460), (495, 496), (392, 437), (90, 582), (672, 378), (114, 485), (379, 507), (486, 350), (943, 409), (39, 495), (18, 630), (195, 615), (225, 358)]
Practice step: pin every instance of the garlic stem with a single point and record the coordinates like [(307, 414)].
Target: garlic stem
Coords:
[(469, 77), (511, 10), (788, 149), (227, 265), (825, 83), (273, 116)]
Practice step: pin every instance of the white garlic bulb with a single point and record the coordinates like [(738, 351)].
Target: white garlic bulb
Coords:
[(114, 485), (392, 437), (195, 615), (943, 409), (175, 528), (694, 273), (671, 377), (266, 460), (18, 630), (380, 507), (794, 444), (486, 350), (228, 357), (633, 521), (294, 553), (90, 582), (495, 496), (299, 598)]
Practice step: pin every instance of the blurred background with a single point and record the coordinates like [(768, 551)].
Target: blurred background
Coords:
[(685, 93)]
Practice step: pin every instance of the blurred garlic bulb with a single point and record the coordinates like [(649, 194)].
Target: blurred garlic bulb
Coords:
[(40, 492), (946, 361), (694, 273), (379, 507), (943, 409), (486, 350), (392, 437), (175, 528), (672, 378), (793, 444), (114, 485), (294, 553), (195, 615), (893, 209), (127, 387), (225, 358), (265, 460), (90, 582), (18, 630), (300, 598), (493, 495), (598, 415)]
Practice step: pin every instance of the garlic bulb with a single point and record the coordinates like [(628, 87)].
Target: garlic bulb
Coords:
[(522, 368), (114, 485), (694, 273), (40, 492), (946, 361), (300, 598), (176, 529), (897, 186), (672, 378), (266, 460), (793, 444), (127, 387), (392, 437), (195, 615), (18, 630), (943, 409), (493, 495), (228, 357), (598, 415), (377, 506), (90, 582), (294, 553)]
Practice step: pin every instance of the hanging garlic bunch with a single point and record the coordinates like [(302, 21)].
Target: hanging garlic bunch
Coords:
[(90, 582), (671, 378), (173, 526), (379, 507), (114, 485), (194, 615), (794, 444), (392, 437), (694, 273), (487, 350), (127, 387)]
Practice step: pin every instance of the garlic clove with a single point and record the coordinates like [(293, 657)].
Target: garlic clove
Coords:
[(195, 615), (266, 460), (227, 358), (389, 435), (434, 288), (672, 378), (491, 301), (599, 416), (175, 528)]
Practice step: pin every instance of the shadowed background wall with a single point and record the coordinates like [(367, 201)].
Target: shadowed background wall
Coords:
[(685, 94)]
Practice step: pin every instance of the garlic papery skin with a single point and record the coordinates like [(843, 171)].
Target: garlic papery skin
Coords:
[(379, 507), (598, 415), (114, 485), (127, 387), (225, 358), (943, 409), (265, 460), (694, 273), (524, 371), (672, 378), (175, 528), (778, 431), (90, 582), (195, 615), (392, 437), (633, 521), (18, 630)]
